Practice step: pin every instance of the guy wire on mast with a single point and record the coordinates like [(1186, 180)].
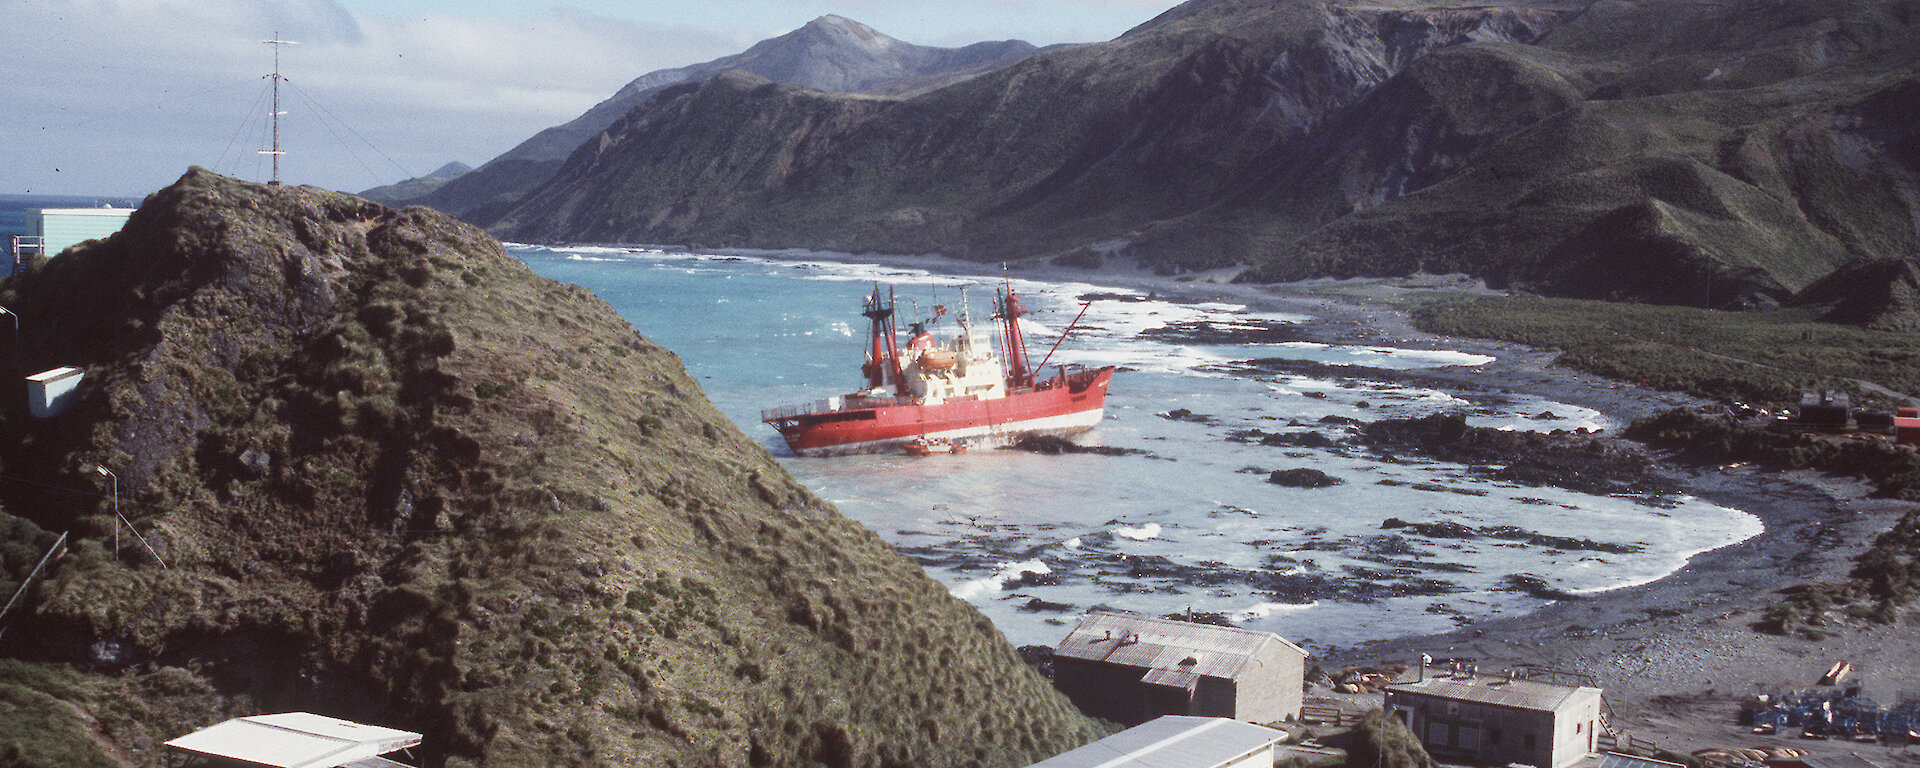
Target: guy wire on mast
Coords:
[(275, 151)]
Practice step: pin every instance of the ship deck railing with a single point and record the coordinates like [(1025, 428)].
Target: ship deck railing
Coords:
[(829, 405)]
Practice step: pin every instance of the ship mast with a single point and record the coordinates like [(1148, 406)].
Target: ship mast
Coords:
[(1018, 375), (883, 351), (276, 78)]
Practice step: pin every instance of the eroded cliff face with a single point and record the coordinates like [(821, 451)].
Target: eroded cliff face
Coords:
[(1660, 151), (396, 477)]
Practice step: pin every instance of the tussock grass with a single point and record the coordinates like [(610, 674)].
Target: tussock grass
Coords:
[(1758, 357), (394, 494)]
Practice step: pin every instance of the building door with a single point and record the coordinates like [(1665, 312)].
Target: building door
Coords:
[(1452, 738)]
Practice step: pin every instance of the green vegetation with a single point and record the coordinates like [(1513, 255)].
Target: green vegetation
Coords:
[(1380, 741), (449, 503), (1758, 357), (22, 544), (1751, 152)]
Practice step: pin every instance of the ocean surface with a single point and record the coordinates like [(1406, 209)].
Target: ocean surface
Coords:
[(1188, 522)]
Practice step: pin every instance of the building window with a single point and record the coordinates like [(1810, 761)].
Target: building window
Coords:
[(1530, 741), (1578, 726)]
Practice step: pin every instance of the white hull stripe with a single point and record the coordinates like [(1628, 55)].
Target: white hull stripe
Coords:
[(985, 435)]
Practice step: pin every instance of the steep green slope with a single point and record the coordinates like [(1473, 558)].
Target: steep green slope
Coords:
[(1063, 148), (830, 53), (1672, 151), (398, 478)]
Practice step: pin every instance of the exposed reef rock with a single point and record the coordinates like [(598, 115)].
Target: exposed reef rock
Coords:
[(396, 477), (1053, 445), (1303, 477), (1576, 461)]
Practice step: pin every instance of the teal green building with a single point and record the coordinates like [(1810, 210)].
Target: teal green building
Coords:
[(61, 228)]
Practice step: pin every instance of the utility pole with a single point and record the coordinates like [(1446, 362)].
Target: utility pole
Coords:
[(124, 521), (16, 375), (116, 507), (275, 151)]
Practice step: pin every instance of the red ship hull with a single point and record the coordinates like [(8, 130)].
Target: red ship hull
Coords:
[(1064, 405)]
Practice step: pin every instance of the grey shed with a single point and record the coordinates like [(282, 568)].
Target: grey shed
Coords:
[(1498, 719), (1130, 669)]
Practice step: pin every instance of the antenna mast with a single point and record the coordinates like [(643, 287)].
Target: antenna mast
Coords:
[(275, 152)]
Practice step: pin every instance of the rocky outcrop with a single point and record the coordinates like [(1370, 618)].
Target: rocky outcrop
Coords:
[(831, 53), (1302, 477), (394, 476)]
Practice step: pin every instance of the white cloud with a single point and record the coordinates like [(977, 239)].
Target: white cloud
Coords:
[(123, 95)]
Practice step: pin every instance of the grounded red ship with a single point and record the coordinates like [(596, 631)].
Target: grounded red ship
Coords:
[(943, 396)]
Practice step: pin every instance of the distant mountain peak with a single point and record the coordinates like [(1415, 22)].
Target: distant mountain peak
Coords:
[(839, 30), (836, 21), (831, 53), (449, 170)]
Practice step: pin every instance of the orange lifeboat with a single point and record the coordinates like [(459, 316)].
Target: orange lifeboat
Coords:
[(927, 446), (937, 360)]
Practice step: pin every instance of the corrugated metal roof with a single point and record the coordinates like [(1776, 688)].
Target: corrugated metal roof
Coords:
[(1617, 760), (295, 740), (1132, 640), (1171, 678), (1493, 689), (1173, 741)]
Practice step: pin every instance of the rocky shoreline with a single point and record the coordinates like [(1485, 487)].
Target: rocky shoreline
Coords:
[(1676, 656)]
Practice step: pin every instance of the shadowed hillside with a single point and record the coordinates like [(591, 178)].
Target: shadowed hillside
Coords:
[(830, 53), (398, 478), (1672, 151)]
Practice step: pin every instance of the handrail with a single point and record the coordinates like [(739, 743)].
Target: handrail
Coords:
[(53, 553)]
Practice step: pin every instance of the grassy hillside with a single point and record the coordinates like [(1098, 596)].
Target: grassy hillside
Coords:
[(398, 478), (1066, 147), (1655, 151), (1765, 358)]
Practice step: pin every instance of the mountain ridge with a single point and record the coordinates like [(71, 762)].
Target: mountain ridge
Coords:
[(830, 53), (1659, 151)]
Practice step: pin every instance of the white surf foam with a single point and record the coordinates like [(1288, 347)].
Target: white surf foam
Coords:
[(998, 581), (1140, 533)]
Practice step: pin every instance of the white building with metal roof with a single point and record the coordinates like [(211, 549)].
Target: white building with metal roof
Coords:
[(63, 228), (297, 740), (1177, 741), (1130, 669), (1498, 719)]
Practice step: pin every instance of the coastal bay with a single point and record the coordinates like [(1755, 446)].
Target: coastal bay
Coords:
[(1677, 654)]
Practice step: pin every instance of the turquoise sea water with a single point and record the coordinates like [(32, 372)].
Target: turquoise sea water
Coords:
[(1189, 522)]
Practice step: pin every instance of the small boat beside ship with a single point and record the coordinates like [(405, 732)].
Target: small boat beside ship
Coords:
[(946, 395)]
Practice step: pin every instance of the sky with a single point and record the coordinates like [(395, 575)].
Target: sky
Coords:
[(119, 97)]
